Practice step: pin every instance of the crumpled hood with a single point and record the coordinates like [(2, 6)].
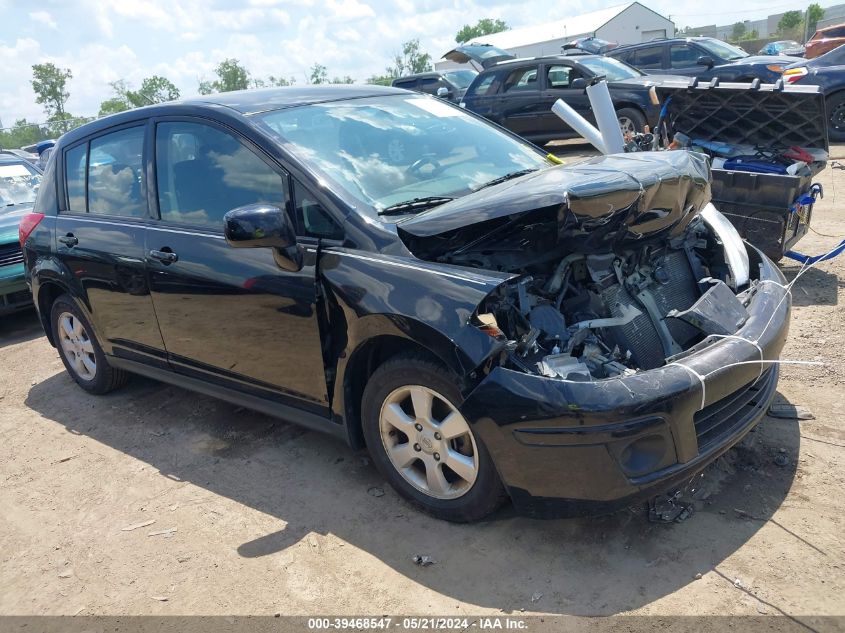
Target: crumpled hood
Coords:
[(589, 206)]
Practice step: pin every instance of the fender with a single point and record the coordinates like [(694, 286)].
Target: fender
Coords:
[(370, 295), (51, 271)]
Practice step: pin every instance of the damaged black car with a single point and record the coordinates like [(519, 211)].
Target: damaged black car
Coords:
[(398, 272)]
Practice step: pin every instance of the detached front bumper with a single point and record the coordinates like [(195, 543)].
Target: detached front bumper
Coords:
[(568, 448)]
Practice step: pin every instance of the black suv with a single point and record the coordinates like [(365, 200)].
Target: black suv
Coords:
[(519, 94), (449, 84), (704, 58), (393, 270)]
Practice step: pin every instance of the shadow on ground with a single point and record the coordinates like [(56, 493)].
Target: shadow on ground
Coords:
[(590, 566), (815, 287), (19, 327)]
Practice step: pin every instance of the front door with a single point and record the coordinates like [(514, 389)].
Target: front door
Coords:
[(227, 315), (100, 239), (558, 80), (519, 101)]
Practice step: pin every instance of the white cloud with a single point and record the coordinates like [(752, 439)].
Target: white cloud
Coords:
[(349, 9), (43, 17)]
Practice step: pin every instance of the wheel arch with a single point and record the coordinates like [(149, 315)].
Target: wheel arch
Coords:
[(374, 351), (48, 292)]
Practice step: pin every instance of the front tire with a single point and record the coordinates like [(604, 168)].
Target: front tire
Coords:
[(631, 121), (423, 446), (79, 350)]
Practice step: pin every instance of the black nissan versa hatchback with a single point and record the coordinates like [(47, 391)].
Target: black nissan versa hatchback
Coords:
[(400, 273)]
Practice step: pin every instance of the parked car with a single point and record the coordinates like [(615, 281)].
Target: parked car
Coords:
[(827, 71), (783, 47), (519, 94), (397, 272), (702, 57), (449, 84), (594, 45), (19, 183), (32, 159), (825, 40)]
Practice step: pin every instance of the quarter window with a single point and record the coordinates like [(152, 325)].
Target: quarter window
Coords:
[(116, 174), (76, 161), (203, 172), (311, 217)]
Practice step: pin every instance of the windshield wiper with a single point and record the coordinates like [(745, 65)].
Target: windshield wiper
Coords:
[(417, 204), (506, 177)]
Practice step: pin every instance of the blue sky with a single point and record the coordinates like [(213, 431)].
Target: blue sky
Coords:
[(105, 40)]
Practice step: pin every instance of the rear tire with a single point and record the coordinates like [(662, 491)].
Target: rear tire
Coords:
[(416, 435), (79, 350), (836, 117)]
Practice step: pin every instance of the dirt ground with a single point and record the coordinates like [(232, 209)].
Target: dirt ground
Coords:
[(262, 517)]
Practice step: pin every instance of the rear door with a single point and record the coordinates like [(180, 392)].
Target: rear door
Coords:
[(100, 238), (230, 316)]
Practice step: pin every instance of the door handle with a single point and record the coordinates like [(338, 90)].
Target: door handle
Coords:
[(165, 257), (69, 240)]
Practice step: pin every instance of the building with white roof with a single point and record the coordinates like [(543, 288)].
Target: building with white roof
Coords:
[(629, 23)]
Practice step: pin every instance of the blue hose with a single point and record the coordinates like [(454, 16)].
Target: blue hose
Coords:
[(807, 259)]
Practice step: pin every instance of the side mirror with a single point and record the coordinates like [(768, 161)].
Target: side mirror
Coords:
[(705, 60), (264, 226), (579, 83), (444, 93)]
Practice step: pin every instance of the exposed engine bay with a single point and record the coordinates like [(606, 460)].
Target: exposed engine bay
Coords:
[(599, 316), (621, 264)]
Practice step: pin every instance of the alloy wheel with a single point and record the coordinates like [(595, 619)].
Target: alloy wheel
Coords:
[(77, 346), (627, 126), (428, 442), (837, 117)]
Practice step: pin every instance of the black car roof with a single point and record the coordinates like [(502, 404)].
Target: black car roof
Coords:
[(660, 40), (431, 73), (244, 102)]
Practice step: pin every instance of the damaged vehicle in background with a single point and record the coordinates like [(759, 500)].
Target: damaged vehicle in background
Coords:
[(396, 271)]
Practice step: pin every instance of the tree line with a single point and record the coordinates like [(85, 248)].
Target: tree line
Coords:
[(50, 85)]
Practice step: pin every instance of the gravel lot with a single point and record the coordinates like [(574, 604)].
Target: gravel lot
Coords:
[(261, 517)]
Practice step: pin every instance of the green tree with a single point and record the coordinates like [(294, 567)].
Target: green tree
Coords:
[(319, 75), (410, 61), (738, 31), (485, 26), (789, 21), (21, 134), (346, 79), (814, 14), (380, 80), (155, 89), (49, 83), (113, 106), (230, 76)]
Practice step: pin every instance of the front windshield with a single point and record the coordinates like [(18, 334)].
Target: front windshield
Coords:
[(18, 185), (460, 78), (387, 150), (612, 69), (717, 48)]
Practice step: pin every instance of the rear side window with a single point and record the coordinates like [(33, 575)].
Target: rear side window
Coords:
[(648, 57), (76, 162), (838, 31), (431, 84), (482, 87), (522, 79), (203, 172), (681, 56), (115, 174), (407, 85)]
